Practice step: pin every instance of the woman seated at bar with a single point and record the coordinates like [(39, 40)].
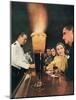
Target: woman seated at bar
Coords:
[(60, 60)]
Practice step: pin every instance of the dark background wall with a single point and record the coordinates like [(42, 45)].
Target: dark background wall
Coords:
[(58, 16)]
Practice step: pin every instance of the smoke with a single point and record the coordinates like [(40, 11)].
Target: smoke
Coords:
[(37, 17)]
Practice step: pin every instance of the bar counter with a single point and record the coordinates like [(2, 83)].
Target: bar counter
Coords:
[(51, 86)]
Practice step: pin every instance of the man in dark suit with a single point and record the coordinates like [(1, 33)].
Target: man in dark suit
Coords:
[(68, 37)]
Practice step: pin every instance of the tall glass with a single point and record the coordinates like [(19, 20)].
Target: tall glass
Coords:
[(39, 62), (38, 44)]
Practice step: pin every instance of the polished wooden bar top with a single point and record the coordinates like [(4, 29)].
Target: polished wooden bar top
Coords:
[(51, 86)]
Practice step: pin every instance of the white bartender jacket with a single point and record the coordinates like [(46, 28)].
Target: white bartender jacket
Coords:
[(18, 57)]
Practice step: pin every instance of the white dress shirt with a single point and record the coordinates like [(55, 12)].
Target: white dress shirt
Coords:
[(18, 57)]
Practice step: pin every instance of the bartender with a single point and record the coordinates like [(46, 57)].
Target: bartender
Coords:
[(19, 63)]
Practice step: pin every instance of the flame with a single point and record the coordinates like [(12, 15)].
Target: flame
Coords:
[(38, 17)]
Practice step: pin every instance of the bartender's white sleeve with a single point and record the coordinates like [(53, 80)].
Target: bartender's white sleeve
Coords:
[(18, 57)]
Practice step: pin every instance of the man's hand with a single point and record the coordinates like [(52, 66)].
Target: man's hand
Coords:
[(32, 65)]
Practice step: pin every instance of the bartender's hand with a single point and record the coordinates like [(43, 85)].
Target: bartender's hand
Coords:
[(32, 65)]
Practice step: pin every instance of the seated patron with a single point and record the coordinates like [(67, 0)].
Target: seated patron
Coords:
[(48, 57), (53, 53), (60, 60)]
